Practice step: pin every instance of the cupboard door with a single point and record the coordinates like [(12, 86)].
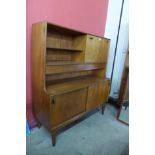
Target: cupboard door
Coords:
[(92, 49), (103, 51), (97, 94), (68, 105), (96, 49)]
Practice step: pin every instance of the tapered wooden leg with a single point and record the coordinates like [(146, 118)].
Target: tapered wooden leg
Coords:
[(53, 138), (103, 108), (38, 123)]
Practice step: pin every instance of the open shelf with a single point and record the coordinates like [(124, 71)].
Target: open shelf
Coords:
[(64, 49), (63, 86), (61, 63), (64, 67)]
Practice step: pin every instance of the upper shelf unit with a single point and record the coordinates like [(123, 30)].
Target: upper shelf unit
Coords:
[(69, 51), (87, 48)]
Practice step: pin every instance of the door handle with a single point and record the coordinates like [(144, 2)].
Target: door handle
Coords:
[(53, 100)]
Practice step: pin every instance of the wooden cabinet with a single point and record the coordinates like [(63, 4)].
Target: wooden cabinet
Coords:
[(68, 74)]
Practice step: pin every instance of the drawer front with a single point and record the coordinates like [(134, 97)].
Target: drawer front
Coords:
[(97, 94), (68, 105)]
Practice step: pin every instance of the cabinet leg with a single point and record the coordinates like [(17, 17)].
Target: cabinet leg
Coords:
[(53, 137), (103, 108), (38, 123)]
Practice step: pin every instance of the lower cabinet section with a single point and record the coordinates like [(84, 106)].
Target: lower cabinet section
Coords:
[(67, 105)]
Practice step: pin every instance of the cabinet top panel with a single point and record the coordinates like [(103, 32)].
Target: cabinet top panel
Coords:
[(72, 84), (62, 29)]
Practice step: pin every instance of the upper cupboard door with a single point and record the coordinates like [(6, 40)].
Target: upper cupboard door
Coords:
[(68, 105), (96, 49), (104, 50), (92, 49)]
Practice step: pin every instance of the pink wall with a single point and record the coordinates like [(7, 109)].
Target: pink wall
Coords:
[(84, 15)]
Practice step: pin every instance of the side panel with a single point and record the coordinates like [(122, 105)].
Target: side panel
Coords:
[(40, 100)]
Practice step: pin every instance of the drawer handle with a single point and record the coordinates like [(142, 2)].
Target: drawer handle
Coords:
[(91, 38)]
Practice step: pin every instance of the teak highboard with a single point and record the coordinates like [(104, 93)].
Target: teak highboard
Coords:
[(68, 74)]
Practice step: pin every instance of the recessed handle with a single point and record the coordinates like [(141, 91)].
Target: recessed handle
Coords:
[(53, 100), (91, 38)]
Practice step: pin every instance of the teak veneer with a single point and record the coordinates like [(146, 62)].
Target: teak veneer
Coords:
[(68, 74)]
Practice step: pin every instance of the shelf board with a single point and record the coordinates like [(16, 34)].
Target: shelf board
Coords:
[(61, 63), (64, 49), (63, 86), (56, 68)]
